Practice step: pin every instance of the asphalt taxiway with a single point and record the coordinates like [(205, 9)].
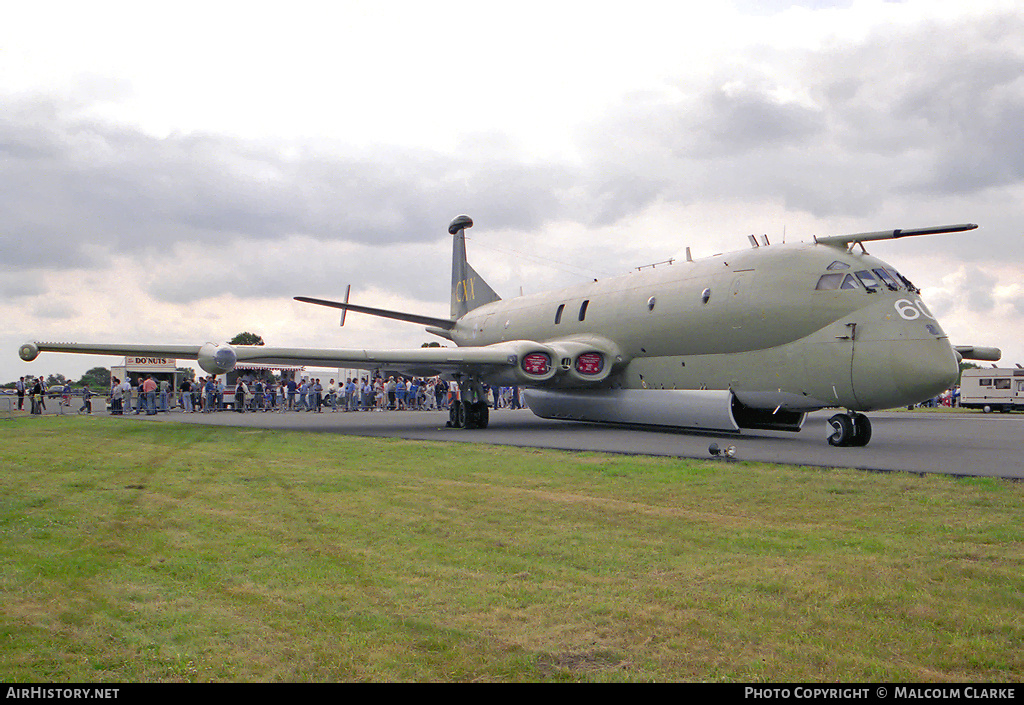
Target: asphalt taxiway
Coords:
[(951, 442)]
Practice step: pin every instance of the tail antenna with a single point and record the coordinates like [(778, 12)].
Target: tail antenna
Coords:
[(460, 222)]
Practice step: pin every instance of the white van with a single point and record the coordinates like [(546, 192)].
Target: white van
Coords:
[(994, 389)]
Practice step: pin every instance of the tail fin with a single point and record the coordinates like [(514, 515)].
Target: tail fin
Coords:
[(469, 290)]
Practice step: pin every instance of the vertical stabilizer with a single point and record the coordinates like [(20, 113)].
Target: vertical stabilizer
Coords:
[(469, 290)]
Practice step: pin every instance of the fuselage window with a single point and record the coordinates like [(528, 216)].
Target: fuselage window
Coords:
[(838, 265), (868, 280), (583, 309), (558, 314), (886, 279)]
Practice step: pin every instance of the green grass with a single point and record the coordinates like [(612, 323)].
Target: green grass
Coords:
[(133, 551)]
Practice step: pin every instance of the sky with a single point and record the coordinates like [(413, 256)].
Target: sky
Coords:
[(177, 172)]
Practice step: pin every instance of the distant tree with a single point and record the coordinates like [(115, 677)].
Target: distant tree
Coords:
[(247, 338), (432, 344), (96, 377), (187, 373), (57, 380)]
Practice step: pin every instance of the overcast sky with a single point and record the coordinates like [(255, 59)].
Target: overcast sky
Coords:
[(177, 172)]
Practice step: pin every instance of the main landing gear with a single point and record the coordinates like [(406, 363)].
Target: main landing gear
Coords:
[(468, 414), (471, 411), (852, 429)]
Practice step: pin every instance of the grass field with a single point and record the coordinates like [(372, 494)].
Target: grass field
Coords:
[(132, 551)]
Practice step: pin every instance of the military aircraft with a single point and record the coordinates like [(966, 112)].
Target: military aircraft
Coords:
[(753, 339)]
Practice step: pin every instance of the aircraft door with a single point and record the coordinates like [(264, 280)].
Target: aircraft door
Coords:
[(741, 316), (840, 357)]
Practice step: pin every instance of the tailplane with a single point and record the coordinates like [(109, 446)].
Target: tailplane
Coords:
[(469, 290)]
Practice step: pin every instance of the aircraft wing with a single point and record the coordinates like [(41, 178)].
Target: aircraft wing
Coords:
[(501, 361), (585, 359)]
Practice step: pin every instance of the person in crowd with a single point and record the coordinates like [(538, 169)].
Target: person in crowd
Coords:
[(351, 395), (116, 397), (186, 396), (211, 396), (42, 395), (240, 392), (37, 397), (148, 389), (412, 395), (440, 391), (86, 400), (126, 389)]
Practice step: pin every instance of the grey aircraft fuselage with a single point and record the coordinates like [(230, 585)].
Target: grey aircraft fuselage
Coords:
[(752, 322)]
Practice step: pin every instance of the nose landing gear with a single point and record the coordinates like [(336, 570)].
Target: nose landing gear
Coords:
[(852, 429)]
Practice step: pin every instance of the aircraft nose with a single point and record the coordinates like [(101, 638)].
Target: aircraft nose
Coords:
[(923, 369)]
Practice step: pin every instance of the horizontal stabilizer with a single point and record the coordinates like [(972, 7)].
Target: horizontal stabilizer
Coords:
[(847, 240), (442, 323)]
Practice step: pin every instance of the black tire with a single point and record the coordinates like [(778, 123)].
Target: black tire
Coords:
[(472, 412), (861, 430), (457, 415), (842, 430)]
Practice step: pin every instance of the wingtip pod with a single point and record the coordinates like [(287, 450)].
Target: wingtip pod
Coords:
[(217, 359), (28, 352)]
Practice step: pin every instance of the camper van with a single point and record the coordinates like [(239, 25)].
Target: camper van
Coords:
[(994, 389)]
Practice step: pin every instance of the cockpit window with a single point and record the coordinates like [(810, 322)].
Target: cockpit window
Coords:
[(886, 278), (829, 282), (838, 265), (906, 282), (868, 280)]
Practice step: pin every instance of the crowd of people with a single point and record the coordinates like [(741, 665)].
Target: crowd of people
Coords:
[(209, 394)]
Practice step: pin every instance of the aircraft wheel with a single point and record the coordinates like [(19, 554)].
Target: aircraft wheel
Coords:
[(457, 415), (483, 415), (472, 414), (842, 430), (861, 430)]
